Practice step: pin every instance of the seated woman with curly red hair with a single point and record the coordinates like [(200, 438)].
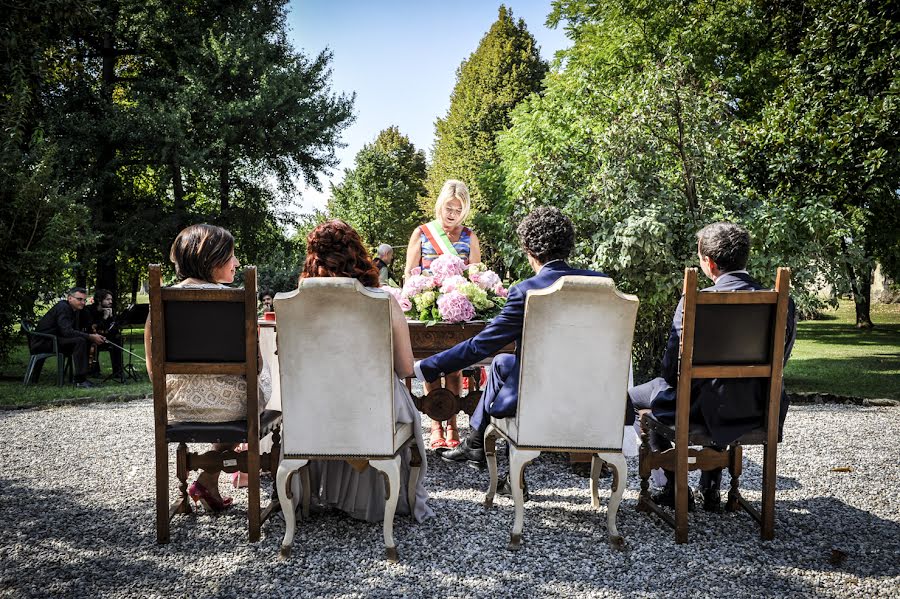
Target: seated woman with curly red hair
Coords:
[(335, 249)]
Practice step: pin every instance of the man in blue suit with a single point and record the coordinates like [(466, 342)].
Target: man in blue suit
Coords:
[(548, 237), (728, 408)]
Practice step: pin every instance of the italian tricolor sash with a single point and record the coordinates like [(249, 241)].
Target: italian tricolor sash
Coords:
[(439, 240)]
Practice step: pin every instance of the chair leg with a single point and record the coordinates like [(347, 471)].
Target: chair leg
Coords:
[(60, 369), (282, 479), (620, 475), (490, 452), (734, 469), (768, 492), (644, 500), (596, 464), (183, 505), (306, 491), (681, 494), (518, 459), (162, 492), (391, 470), (254, 511), (29, 370), (415, 473)]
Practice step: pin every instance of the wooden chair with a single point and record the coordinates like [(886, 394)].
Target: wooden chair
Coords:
[(36, 359), (575, 361), (208, 331), (731, 334), (335, 351)]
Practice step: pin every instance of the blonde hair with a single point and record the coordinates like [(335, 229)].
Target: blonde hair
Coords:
[(453, 190)]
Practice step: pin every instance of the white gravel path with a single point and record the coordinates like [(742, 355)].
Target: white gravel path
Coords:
[(77, 520)]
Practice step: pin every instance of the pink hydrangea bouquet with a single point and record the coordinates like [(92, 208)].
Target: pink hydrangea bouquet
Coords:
[(452, 292)]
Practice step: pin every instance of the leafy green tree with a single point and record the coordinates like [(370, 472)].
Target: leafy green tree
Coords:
[(828, 139), (378, 196), (504, 69)]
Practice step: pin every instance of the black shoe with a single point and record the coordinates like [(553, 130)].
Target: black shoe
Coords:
[(583, 469), (712, 501), (505, 489), (85, 385), (666, 497), (473, 457)]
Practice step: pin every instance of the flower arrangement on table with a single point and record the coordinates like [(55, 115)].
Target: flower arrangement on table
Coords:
[(452, 292)]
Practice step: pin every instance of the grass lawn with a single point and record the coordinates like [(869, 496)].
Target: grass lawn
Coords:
[(14, 393), (833, 356)]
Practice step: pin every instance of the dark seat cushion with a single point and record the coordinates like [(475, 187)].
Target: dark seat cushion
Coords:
[(698, 434), (220, 432)]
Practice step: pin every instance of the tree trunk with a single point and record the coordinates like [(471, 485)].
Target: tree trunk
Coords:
[(178, 190), (135, 283), (224, 184), (107, 273), (861, 286)]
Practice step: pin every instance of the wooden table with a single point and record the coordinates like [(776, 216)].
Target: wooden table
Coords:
[(442, 404)]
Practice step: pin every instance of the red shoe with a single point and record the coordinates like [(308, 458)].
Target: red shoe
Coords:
[(437, 436), (201, 494), (452, 440)]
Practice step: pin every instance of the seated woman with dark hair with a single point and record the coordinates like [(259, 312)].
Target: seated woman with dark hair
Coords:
[(334, 249), (204, 258)]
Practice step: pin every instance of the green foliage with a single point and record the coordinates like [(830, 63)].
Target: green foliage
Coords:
[(504, 69), (127, 120), (378, 196)]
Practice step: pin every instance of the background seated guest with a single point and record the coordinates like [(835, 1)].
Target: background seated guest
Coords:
[(728, 408), (445, 234), (383, 259), (204, 258), (266, 297), (98, 318), (548, 237), (60, 321), (335, 249)]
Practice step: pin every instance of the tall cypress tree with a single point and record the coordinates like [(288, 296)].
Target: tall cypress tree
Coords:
[(504, 69)]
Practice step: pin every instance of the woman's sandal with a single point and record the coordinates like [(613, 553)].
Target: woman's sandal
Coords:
[(452, 440), (437, 436)]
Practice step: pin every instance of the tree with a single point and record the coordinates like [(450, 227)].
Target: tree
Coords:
[(829, 137), (378, 196), (504, 69)]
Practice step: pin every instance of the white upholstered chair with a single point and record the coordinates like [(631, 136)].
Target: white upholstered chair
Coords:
[(575, 362), (335, 354)]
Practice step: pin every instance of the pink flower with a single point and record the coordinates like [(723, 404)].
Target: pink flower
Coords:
[(501, 291), (455, 307), (446, 265), (451, 283), (404, 302), (416, 284), (416, 271), (487, 279)]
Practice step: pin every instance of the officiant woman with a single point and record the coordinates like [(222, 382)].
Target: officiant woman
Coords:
[(446, 234)]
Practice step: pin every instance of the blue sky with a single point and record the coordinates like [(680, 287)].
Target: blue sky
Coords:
[(400, 57)]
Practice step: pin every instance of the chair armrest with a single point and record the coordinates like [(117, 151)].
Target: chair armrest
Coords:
[(45, 336)]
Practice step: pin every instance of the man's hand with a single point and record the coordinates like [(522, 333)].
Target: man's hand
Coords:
[(98, 339), (107, 313)]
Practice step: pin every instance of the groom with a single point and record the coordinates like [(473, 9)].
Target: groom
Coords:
[(548, 237)]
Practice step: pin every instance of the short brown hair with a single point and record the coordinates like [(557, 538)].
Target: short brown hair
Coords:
[(199, 250), (727, 244)]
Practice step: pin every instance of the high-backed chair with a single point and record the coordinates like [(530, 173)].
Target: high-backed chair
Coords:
[(36, 359), (207, 331), (725, 335), (573, 381), (335, 353)]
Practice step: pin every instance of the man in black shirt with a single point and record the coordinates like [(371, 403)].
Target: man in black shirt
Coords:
[(98, 318), (60, 321)]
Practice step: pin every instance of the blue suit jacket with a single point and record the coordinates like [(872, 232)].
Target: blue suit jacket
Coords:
[(505, 328), (728, 407)]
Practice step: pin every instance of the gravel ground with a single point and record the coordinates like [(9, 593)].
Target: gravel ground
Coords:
[(77, 521)]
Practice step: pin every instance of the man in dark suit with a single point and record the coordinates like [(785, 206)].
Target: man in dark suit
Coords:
[(728, 408), (60, 321), (547, 236)]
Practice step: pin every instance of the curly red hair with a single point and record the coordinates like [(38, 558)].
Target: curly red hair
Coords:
[(335, 249)]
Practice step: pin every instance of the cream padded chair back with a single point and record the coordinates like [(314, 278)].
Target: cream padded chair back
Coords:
[(335, 354), (576, 352)]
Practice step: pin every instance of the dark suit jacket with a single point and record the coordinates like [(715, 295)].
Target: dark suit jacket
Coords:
[(60, 320), (728, 407), (505, 328)]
